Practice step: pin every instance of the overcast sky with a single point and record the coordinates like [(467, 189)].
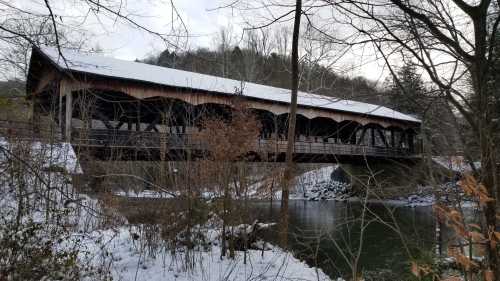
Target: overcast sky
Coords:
[(125, 42), (203, 21), (202, 18)]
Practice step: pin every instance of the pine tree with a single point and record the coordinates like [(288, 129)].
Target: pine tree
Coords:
[(407, 91)]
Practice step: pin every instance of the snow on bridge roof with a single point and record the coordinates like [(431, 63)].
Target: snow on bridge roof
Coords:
[(110, 67)]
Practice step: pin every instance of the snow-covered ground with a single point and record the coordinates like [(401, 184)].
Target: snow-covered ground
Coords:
[(130, 262), (318, 184), (455, 163), (106, 244), (126, 252), (49, 156), (146, 193)]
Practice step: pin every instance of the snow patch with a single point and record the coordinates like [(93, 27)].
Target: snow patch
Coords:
[(144, 194), (129, 263), (319, 184), (47, 155), (455, 163)]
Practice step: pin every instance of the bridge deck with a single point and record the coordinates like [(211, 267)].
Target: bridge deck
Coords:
[(148, 145), (121, 139)]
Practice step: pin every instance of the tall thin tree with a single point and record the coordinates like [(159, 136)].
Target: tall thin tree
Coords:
[(291, 122)]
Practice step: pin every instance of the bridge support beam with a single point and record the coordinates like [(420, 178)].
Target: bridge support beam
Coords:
[(69, 115), (65, 124), (393, 139)]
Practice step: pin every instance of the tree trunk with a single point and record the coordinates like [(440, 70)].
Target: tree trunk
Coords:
[(488, 168), (291, 125)]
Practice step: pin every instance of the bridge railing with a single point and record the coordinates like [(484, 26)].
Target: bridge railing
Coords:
[(154, 140), (134, 139), (332, 148)]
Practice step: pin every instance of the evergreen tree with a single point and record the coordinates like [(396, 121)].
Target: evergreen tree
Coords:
[(407, 91)]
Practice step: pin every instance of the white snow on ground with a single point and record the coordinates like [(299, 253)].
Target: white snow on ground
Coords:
[(411, 201), (59, 155), (313, 177), (120, 252), (305, 186), (425, 196), (130, 263), (121, 248), (144, 194), (125, 255), (311, 182), (455, 163), (318, 185)]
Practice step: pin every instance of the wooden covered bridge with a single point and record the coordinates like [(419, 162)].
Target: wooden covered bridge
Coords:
[(123, 109)]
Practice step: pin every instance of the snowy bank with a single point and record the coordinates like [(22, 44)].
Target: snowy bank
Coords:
[(46, 155), (71, 224), (129, 262), (146, 193)]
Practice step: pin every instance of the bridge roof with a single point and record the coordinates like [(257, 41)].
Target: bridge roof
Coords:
[(114, 68)]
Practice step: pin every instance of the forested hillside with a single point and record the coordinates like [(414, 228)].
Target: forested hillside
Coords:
[(273, 69), (12, 88)]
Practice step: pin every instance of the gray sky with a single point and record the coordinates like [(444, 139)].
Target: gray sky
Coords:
[(125, 42), (203, 21)]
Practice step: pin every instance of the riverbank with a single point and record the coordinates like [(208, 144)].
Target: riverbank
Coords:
[(129, 252), (61, 234), (131, 261), (317, 184)]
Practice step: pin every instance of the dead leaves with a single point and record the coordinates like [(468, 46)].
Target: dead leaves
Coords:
[(489, 275), (497, 235), (420, 270), (476, 237), (453, 278), (475, 234), (453, 219), (475, 226), (229, 140), (494, 238), (473, 188), (461, 259)]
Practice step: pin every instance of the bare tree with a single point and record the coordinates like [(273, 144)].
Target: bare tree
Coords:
[(22, 27), (455, 43)]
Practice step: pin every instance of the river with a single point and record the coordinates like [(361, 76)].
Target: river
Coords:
[(327, 233)]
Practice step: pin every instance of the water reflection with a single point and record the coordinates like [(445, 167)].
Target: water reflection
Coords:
[(327, 234)]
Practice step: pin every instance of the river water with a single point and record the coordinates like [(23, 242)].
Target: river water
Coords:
[(327, 234)]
